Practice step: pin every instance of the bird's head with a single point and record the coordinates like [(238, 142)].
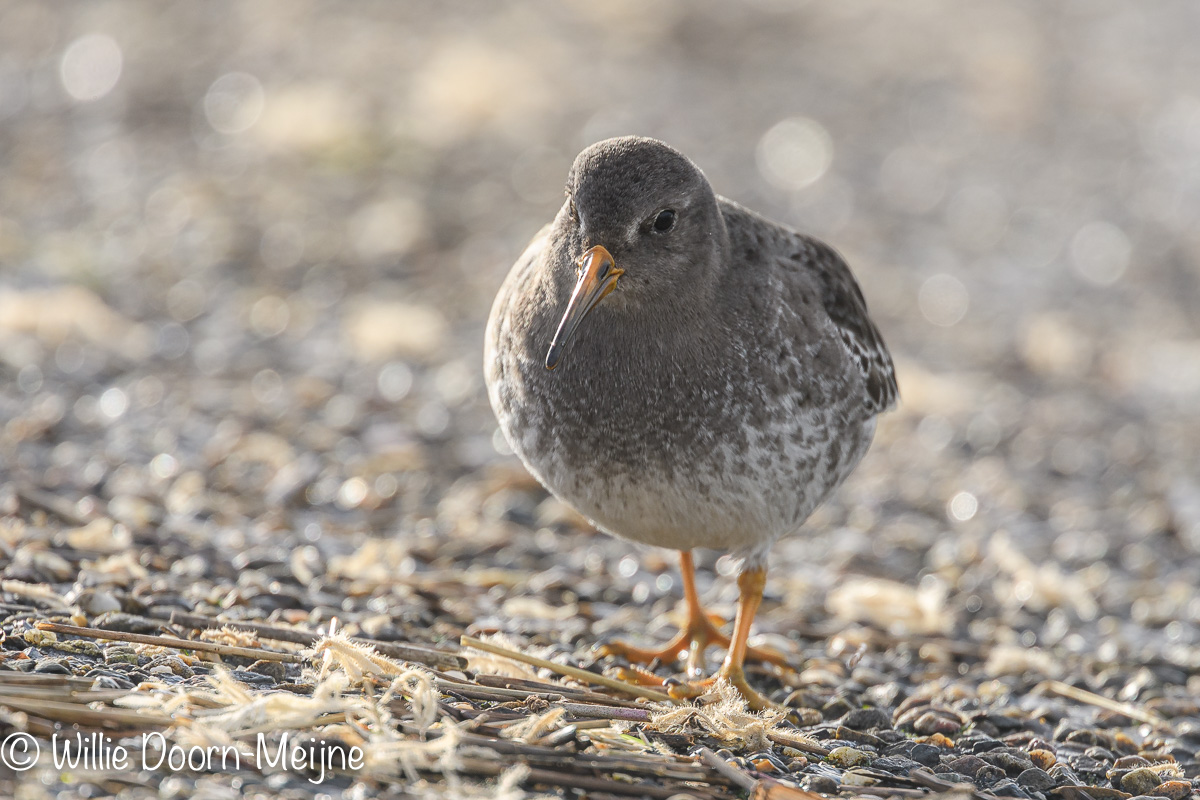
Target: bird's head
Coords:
[(640, 222)]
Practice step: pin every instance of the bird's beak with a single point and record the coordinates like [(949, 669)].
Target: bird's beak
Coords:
[(598, 275)]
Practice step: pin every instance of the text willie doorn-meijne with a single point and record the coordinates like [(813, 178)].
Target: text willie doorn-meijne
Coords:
[(97, 751)]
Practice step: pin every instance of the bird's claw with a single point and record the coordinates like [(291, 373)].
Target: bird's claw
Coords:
[(689, 690)]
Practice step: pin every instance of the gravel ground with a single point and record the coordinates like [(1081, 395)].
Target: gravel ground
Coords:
[(246, 255)]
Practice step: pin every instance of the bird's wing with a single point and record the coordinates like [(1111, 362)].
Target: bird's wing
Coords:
[(843, 301)]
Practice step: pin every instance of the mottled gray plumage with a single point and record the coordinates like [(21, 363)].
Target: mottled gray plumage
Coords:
[(726, 386)]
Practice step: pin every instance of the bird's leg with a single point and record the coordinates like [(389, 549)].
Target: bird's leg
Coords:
[(695, 636), (750, 584)]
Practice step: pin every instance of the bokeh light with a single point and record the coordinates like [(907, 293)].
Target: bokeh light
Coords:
[(943, 300), (794, 153), (234, 103), (91, 66)]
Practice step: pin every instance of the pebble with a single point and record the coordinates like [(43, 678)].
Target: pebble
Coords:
[(955, 777), (1173, 789), (897, 765), (965, 765), (172, 664), (253, 678), (926, 754), (837, 707), (79, 647), (1064, 776), (94, 602), (1140, 781), (275, 670), (848, 757), (1007, 788), (865, 719), (1036, 779), (859, 737), (821, 784), (937, 722), (854, 777), (1013, 763), (988, 776)]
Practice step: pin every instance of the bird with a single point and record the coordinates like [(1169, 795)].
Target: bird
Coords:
[(685, 373)]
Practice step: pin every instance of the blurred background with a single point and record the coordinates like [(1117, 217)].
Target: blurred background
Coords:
[(247, 251)]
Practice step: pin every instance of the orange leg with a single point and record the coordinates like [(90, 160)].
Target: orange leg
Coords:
[(698, 633), (750, 584)]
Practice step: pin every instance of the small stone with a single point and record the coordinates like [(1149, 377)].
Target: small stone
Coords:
[(116, 654), (1087, 737), (1036, 779), (1043, 759), (1124, 744), (95, 602), (846, 757), (937, 722), (955, 777), (939, 740), (886, 695), (897, 765), (173, 664), (858, 737), (276, 670), (1088, 766), (805, 717), (854, 777), (36, 637), (985, 745), (1008, 788), (1012, 763), (1140, 781), (1175, 790), (52, 667), (926, 754), (966, 765), (865, 719), (1064, 776), (252, 678), (988, 776), (106, 679), (836, 707), (81, 647), (821, 784)]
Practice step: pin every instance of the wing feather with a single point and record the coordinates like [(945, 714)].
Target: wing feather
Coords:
[(843, 301)]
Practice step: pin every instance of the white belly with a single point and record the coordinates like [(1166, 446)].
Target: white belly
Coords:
[(738, 503)]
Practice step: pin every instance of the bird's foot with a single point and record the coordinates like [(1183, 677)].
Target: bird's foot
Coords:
[(693, 639), (681, 690)]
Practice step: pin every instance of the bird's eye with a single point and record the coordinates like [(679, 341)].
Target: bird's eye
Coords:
[(664, 221)]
